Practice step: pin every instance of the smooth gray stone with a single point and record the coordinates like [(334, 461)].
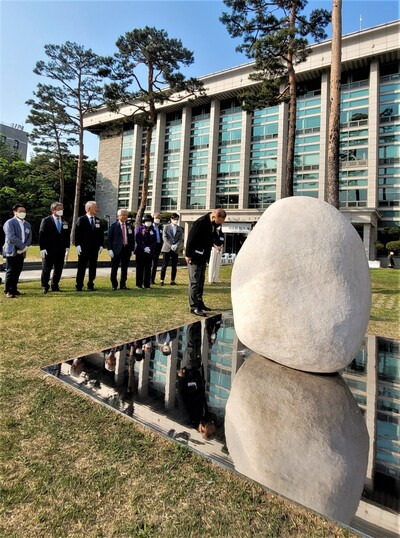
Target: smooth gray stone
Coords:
[(301, 435), (301, 292)]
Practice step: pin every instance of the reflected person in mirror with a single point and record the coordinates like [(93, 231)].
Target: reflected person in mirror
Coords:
[(191, 385)]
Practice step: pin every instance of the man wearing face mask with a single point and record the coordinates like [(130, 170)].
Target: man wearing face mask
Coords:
[(18, 237), (146, 241), (158, 229), (172, 240), (202, 237), (54, 246), (89, 239)]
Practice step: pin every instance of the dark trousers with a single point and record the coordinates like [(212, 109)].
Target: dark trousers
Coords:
[(197, 274), (154, 262), (84, 259), (167, 256), (13, 270), (143, 270), (53, 260), (122, 259)]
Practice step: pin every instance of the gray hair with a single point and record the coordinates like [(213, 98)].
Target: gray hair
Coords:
[(120, 211), (55, 204), (89, 204)]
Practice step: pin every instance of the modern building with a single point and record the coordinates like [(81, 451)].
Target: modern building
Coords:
[(209, 153), (15, 136)]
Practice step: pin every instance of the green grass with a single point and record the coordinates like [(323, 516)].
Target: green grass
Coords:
[(73, 468), (33, 254)]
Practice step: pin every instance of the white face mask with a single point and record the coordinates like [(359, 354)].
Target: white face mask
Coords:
[(21, 215), (147, 224), (174, 221), (60, 213), (156, 221)]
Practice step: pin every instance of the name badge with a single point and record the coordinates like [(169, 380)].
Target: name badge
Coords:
[(97, 225), (65, 226), (27, 231)]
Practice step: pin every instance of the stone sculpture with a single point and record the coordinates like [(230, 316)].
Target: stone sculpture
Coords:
[(299, 434), (301, 287), (301, 297)]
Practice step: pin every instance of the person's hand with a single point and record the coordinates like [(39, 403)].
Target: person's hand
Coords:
[(43, 253), (174, 247), (22, 250), (79, 250), (111, 253), (188, 260), (147, 250), (100, 250), (66, 255)]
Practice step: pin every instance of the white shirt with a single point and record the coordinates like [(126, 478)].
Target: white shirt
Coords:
[(173, 229), (21, 224)]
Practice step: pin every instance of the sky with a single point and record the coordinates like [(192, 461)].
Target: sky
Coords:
[(27, 26)]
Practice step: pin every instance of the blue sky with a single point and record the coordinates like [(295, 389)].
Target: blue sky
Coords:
[(26, 26)]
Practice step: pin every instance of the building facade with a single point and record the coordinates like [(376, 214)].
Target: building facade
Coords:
[(15, 136), (209, 153)]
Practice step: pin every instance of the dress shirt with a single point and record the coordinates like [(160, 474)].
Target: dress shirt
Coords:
[(21, 225), (56, 221), (173, 229), (156, 228), (124, 233)]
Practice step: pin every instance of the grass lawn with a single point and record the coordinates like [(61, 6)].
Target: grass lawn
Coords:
[(73, 468), (33, 254)]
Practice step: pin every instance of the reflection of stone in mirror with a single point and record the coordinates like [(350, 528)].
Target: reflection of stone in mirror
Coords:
[(299, 434)]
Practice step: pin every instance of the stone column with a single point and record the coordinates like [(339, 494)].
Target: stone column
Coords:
[(367, 239), (373, 134), (245, 161), (159, 140), (371, 412), (184, 157), (213, 154), (324, 135), (143, 379), (170, 385), (119, 374)]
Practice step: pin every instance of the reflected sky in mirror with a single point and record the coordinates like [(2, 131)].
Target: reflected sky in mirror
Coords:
[(178, 383)]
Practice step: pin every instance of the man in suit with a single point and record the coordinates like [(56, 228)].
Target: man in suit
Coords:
[(172, 240), (202, 237), (158, 228), (120, 244), (54, 246), (89, 238), (18, 237)]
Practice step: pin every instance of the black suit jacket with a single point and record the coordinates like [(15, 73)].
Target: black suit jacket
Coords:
[(88, 239), (51, 239), (200, 240), (114, 238)]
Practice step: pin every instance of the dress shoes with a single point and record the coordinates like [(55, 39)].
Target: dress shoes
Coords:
[(124, 288), (16, 292), (78, 289), (198, 312), (205, 308), (56, 289), (153, 282), (174, 284), (10, 295), (45, 291), (162, 283), (91, 289), (114, 288)]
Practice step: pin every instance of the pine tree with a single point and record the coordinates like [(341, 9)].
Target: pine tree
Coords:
[(53, 131), (76, 73), (274, 34), (161, 57)]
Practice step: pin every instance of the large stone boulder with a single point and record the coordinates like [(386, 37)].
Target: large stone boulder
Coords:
[(301, 287), (299, 434)]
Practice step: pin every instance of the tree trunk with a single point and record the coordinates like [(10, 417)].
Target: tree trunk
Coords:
[(78, 181), (334, 109), (151, 120), (288, 186), (60, 168)]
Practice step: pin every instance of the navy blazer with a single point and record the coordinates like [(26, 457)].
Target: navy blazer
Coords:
[(50, 238), (114, 239)]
